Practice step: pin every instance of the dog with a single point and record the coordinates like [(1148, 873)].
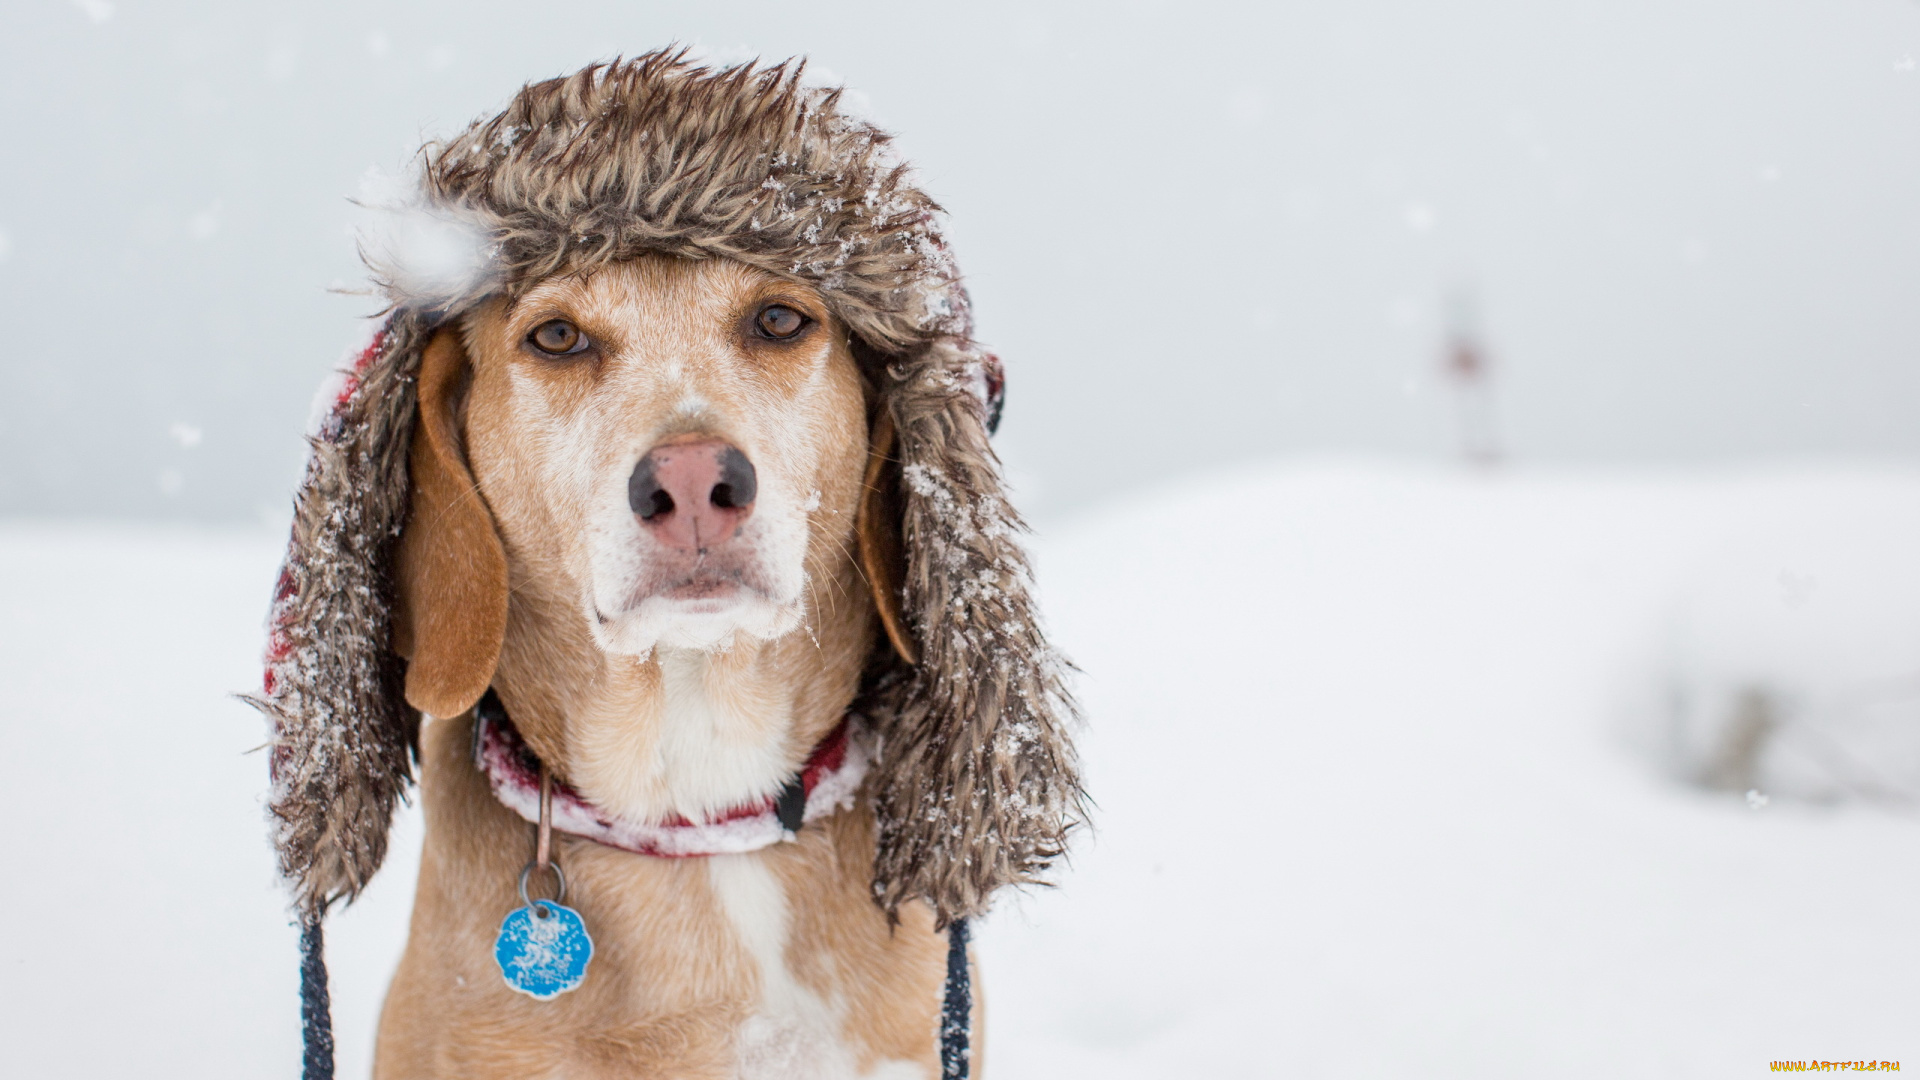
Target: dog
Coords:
[(667, 538)]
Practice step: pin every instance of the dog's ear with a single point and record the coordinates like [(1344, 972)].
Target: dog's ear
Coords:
[(878, 528), (451, 571), (976, 782)]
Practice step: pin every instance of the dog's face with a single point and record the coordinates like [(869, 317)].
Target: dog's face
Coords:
[(642, 511), (664, 443)]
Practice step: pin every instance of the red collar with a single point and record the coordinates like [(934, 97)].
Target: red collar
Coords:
[(827, 783)]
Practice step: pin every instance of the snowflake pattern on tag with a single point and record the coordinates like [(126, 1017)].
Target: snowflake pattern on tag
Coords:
[(543, 949)]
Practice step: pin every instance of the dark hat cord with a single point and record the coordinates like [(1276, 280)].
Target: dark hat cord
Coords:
[(316, 1008), (956, 1011)]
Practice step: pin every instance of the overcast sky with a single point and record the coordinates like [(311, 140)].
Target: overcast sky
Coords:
[(1685, 230)]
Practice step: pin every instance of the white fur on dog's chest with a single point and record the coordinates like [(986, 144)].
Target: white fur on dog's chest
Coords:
[(795, 1034), (711, 745), (716, 753)]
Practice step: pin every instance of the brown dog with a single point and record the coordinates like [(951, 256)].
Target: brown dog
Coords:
[(662, 676), (681, 490)]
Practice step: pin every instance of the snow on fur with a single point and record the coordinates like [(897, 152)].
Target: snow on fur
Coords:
[(342, 731)]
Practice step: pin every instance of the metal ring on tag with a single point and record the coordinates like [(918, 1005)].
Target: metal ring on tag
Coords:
[(558, 875)]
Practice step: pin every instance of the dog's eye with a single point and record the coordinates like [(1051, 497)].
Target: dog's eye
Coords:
[(558, 337), (779, 322)]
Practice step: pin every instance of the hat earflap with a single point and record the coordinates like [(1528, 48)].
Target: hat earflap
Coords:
[(342, 733), (976, 781)]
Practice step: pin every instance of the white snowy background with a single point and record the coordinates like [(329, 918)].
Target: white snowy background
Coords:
[(1599, 763)]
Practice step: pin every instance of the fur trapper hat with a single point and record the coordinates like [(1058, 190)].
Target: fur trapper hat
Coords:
[(975, 785)]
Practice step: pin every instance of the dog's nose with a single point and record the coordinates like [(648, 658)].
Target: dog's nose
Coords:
[(693, 494)]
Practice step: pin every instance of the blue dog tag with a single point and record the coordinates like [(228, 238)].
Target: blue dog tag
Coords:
[(543, 949)]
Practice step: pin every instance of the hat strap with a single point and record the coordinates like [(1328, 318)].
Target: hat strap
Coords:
[(956, 1013), (316, 1006)]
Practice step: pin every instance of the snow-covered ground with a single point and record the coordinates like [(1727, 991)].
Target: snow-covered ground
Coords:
[(1370, 743)]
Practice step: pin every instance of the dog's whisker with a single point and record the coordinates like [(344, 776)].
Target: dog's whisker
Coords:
[(852, 559)]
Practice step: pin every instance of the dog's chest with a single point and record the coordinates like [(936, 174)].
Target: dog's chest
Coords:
[(693, 746), (722, 741), (794, 1032)]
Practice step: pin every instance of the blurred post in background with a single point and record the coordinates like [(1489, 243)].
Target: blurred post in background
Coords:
[(1468, 369)]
